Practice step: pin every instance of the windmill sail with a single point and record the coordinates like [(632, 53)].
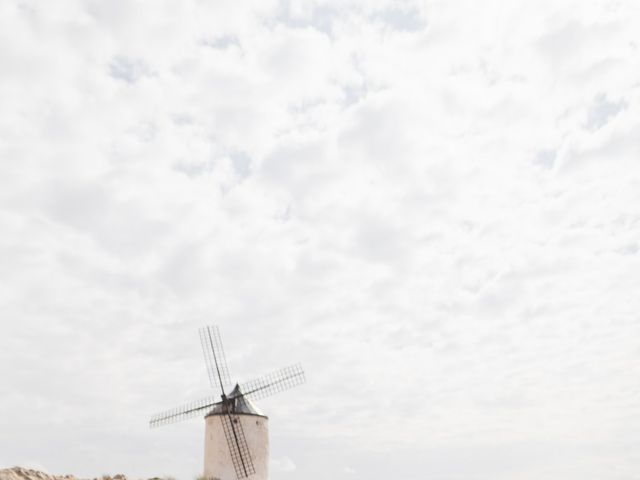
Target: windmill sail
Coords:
[(214, 357), (273, 382), (238, 449), (193, 409)]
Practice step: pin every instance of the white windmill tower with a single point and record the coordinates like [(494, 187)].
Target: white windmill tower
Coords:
[(236, 441)]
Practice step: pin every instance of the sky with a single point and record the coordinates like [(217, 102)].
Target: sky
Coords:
[(433, 206)]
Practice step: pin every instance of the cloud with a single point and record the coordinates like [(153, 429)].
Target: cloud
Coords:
[(284, 464), (602, 110), (432, 206), (128, 70)]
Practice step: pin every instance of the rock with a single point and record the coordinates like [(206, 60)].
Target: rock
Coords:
[(19, 473)]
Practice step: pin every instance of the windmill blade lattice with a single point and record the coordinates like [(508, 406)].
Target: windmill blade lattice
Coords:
[(238, 449), (189, 410), (273, 382), (214, 357)]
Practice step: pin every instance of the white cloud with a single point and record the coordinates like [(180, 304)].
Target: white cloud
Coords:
[(433, 206), (284, 464)]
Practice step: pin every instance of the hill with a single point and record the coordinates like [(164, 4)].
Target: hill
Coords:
[(19, 473)]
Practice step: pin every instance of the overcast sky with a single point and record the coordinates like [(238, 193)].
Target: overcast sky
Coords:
[(433, 206)]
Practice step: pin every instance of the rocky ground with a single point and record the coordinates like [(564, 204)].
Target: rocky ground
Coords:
[(19, 473)]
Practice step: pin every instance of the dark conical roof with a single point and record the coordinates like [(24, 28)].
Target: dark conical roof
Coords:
[(239, 404)]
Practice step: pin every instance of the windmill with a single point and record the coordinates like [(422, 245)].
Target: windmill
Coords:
[(236, 431)]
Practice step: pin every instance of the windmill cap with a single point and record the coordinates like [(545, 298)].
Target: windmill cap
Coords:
[(241, 405)]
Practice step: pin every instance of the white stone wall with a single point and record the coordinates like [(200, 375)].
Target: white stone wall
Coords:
[(217, 460)]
